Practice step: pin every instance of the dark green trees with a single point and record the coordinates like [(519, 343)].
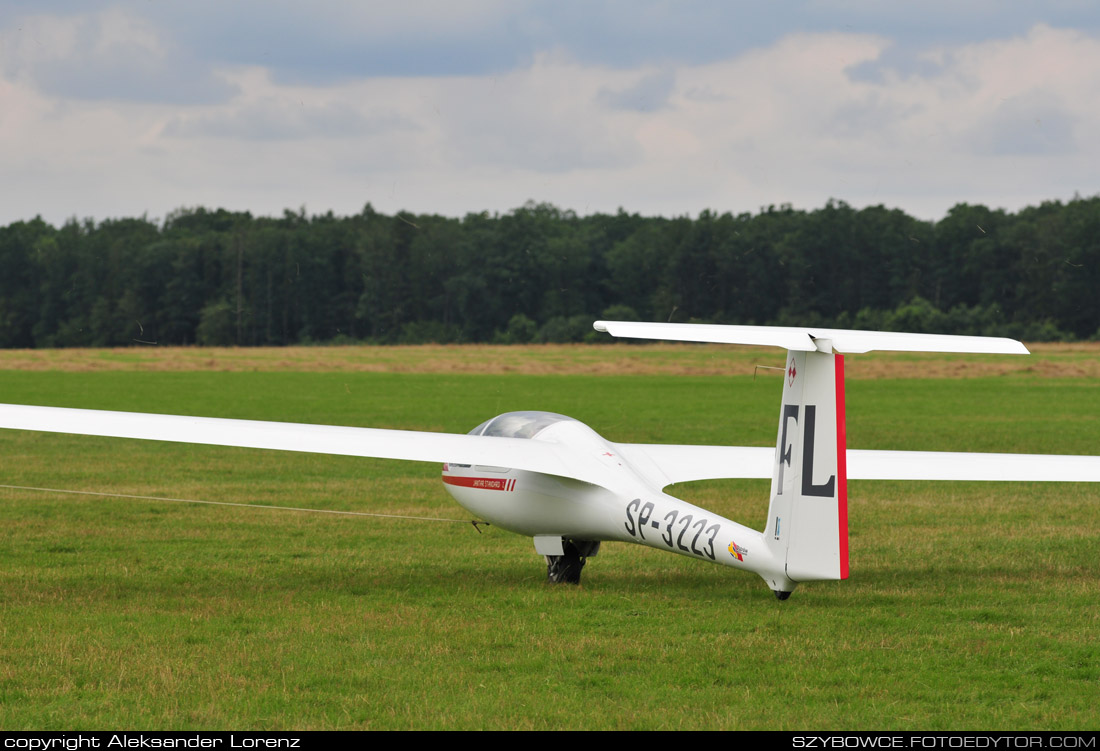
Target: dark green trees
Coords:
[(540, 273)]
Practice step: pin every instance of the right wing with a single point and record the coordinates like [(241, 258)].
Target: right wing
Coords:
[(669, 464), (516, 453), (948, 465)]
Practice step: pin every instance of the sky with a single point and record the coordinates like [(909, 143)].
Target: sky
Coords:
[(131, 108)]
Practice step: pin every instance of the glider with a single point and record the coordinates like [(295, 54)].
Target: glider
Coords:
[(553, 478)]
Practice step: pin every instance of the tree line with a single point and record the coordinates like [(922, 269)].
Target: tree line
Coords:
[(540, 273)]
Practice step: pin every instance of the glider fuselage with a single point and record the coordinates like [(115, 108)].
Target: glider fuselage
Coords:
[(626, 508)]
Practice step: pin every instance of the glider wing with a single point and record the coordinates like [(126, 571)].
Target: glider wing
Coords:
[(517, 453), (948, 465), (671, 464)]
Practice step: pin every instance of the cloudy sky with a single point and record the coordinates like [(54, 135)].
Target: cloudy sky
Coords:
[(112, 109)]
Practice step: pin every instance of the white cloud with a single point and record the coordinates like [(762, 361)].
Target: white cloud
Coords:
[(649, 94), (1003, 122), (280, 118), (107, 55), (546, 118)]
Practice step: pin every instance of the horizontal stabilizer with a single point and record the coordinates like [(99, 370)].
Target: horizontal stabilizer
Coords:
[(810, 338)]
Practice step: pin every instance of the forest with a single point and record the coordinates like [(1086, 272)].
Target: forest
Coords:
[(539, 273)]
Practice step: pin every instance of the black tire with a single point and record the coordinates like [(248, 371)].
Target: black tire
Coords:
[(565, 569)]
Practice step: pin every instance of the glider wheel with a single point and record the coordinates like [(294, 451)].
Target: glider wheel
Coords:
[(566, 569)]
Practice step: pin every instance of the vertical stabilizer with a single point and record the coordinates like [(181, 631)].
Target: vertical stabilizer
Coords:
[(808, 516)]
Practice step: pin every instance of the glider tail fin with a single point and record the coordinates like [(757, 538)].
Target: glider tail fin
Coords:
[(807, 528), (808, 516)]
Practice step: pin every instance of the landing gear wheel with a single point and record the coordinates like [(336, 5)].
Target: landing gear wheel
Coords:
[(565, 569)]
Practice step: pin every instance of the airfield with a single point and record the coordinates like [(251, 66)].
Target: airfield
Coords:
[(970, 605)]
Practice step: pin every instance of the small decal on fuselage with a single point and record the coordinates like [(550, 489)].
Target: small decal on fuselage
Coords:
[(482, 483), (737, 551)]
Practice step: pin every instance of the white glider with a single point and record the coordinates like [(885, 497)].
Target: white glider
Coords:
[(553, 478)]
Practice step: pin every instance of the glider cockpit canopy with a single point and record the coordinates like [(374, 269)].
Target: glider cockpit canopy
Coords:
[(527, 424)]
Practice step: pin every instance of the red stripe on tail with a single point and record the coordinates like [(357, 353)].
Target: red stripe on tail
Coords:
[(841, 467)]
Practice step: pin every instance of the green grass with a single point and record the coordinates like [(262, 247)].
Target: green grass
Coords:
[(969, 606)]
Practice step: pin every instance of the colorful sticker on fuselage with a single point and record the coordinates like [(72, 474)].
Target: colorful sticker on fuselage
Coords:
[(482, 483)]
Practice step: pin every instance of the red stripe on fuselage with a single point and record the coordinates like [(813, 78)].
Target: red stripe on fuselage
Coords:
[(841, 467), (482, 483)]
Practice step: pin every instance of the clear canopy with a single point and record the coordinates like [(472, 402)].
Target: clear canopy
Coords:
[(518, 424)]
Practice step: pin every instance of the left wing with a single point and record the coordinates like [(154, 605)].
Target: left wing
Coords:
[(668, 464), (516, 453)]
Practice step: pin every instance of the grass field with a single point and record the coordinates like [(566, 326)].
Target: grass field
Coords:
[(970, 606)]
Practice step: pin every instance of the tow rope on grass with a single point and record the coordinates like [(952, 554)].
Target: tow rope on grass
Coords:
[(476, 524)]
